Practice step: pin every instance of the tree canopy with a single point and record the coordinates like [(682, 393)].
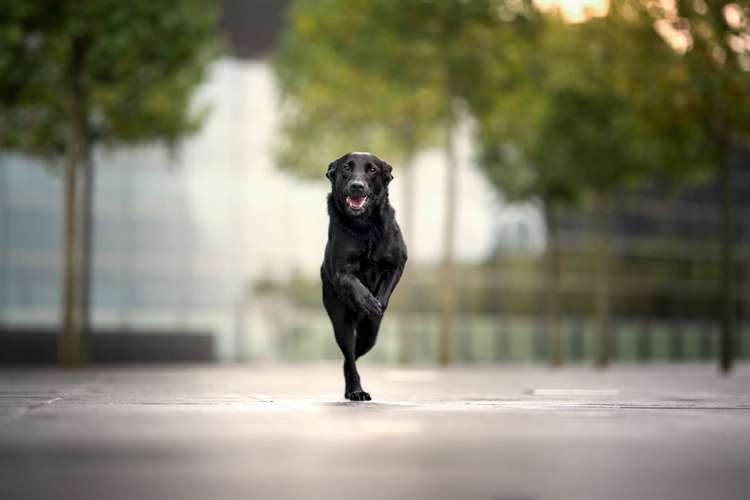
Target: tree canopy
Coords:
[(143, 62), (347, 83)]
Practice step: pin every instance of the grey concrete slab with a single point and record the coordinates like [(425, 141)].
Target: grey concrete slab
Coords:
[(276, 431)]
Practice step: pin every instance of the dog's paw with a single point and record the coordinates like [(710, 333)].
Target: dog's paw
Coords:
[(372, 308), (358, 395)]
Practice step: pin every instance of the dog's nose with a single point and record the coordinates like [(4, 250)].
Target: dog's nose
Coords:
[(357, 186)]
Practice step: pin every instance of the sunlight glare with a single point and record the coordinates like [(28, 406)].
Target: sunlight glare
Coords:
[(575, 11)]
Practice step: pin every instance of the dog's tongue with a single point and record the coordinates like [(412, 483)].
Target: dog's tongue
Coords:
[(356, 201)]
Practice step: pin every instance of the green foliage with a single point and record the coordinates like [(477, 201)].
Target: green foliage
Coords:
[(342, 90), (562, 121), (568, 108), (143, 61), (28, 108), (699, 99), (562, 109), (375, 75)]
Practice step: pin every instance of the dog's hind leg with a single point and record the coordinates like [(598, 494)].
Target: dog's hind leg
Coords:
[(367, 335)]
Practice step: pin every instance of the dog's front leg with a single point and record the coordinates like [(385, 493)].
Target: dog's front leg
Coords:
[(344, 329), (357, 296), (387, 284)]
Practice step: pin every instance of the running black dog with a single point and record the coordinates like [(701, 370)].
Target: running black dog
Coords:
[(364, 257)]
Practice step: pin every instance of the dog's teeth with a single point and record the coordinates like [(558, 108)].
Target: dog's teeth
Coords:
[(358, 203)]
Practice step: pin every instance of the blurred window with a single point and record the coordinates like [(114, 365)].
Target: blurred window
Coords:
[(33, 229)]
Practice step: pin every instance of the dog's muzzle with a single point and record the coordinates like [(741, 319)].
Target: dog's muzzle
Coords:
[(357, 195), (356, 203)]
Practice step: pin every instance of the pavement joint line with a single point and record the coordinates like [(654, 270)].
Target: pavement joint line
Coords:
[(306, 405), (29, 408), (572, 405), (262, 398), (573, 392), (25, 410)]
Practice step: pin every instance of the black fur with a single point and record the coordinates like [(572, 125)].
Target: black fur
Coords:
[(364, 258)]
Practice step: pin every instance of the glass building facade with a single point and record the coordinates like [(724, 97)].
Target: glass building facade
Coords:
[(155, 266)]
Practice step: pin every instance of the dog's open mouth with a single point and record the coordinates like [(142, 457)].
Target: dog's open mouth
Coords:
[(356, 202)]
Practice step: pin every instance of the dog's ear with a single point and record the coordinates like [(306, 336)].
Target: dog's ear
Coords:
[(387, 172), (331, 172)]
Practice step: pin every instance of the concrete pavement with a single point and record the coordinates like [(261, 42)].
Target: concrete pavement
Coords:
[(284, 431)]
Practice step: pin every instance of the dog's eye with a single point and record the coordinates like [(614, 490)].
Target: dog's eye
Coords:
[(371, 168), (348, 167)]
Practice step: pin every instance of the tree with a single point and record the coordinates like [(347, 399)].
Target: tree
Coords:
[(556, 124), (696, 107), (511, 104), (100, 73), (601, 147)]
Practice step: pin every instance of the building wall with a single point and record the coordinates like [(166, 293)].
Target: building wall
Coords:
[(154, 268)]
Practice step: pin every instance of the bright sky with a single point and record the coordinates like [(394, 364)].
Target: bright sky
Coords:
[(575, 10)]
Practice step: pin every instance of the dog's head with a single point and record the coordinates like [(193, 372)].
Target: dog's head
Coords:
[(360, 182)]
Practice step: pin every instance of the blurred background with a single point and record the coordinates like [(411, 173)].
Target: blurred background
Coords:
[(572, 177)]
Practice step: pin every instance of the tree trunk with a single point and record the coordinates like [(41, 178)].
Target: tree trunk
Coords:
[(552, 286), (4, 242), (87, 242), (726, 299), (601, 283), (70, 345), (408, 340), (447, 285)]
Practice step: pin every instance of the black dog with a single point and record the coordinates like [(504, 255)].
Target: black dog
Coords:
[(364, 258)]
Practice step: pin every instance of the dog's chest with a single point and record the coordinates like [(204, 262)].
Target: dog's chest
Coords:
[(379, 251), (371, 257), (376, 256)]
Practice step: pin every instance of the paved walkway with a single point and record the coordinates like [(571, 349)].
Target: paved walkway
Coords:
[(494, 433)]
